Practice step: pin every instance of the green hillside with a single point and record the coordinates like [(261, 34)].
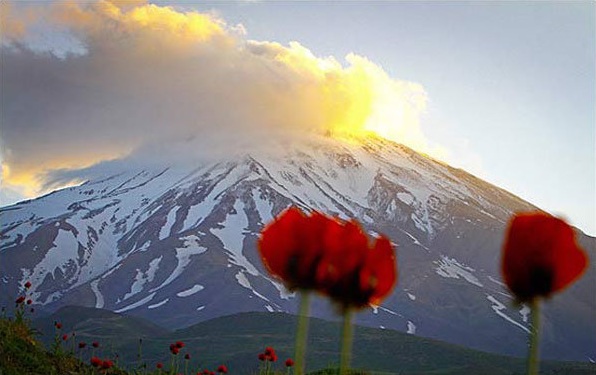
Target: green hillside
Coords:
[(237, 340)]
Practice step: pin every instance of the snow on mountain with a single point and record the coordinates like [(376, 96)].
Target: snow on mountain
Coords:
[(177, 244)]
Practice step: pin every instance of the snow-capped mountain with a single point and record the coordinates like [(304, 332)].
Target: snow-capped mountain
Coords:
[(177, 245)]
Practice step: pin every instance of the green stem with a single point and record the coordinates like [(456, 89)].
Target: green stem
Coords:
[(533, 360), (302, 332), (346, 342)]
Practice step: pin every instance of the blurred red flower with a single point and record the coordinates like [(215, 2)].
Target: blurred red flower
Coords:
[(289, 362), (64, 337), (187, 356), (95, 362), (20, 300), (29, 302), (95, 344), (353, 273), (540, 256), (222, 369), (58, 325), (28, 285), (107, 364), (82, 345), (262, 357), (290, 247), (159, 365), (179, 344)]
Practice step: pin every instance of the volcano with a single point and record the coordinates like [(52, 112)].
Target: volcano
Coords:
[(176, 243)]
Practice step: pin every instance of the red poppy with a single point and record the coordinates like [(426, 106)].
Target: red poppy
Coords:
[(352, 272), (28, 285), (269, 351), (159, 365), (58, 325), (20, 300), (29, 302), (179, 344), (107, 364), (289, 362), (95, 362), (175, 350), (290, 247), (222, 369), (95, 344), (64, 337), (187, 356), (82, 345), (262, 357), (540, 256)]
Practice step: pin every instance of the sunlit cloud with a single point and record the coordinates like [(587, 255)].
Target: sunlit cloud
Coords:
[(155, 75)]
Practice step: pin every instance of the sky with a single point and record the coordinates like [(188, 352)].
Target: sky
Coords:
[(504, 90)]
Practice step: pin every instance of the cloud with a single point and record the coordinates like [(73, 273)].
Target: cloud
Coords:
[(151, 75)]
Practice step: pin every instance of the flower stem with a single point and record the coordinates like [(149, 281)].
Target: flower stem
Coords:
[(302, 332), (346, 342), (534, 338)]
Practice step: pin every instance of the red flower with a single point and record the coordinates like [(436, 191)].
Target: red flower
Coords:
[(269, 351), (179, 344), (58, 325), (107, 364), (290, 247), (223, 369), (96, 362), (82, 345), (29, 302), (187, 356), (262, 357), (95, 344), (28, 285), (352, 272), (540, 256), (289, 362), (159, 365), (175, 350), (64, 337), (20, 300)]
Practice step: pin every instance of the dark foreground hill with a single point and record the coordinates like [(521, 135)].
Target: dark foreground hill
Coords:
[(236, 341)]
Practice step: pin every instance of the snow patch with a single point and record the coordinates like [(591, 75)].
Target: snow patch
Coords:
[(411, 328), (142, 278), (99, 301), (269, 308), (136, 304), (451, 268), (190, 247), (167, 227), (411, 296), (243, 281), (156, 305), (189, 292), (200, 308), (498, 307)]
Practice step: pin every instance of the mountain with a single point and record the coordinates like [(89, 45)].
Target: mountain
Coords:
[(176, 244), (237, 339)]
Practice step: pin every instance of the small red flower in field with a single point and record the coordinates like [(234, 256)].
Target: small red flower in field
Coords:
[(222, 369), (273, 357), (262, 357), (58, 325), (29, 302), (187, 356), (64, 337), (269, 351), (95, 362), (20, 300), (353, 273), (289, 362), (540, 256), (107, 364), (159, 365), (179, 344), (28, 285), (95, 344), (175, 351), (82, 345)]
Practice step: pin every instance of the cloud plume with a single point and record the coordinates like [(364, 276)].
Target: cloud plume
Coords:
[(148, 74)]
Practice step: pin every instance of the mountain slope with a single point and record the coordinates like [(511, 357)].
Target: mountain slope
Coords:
[(176, 244)]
